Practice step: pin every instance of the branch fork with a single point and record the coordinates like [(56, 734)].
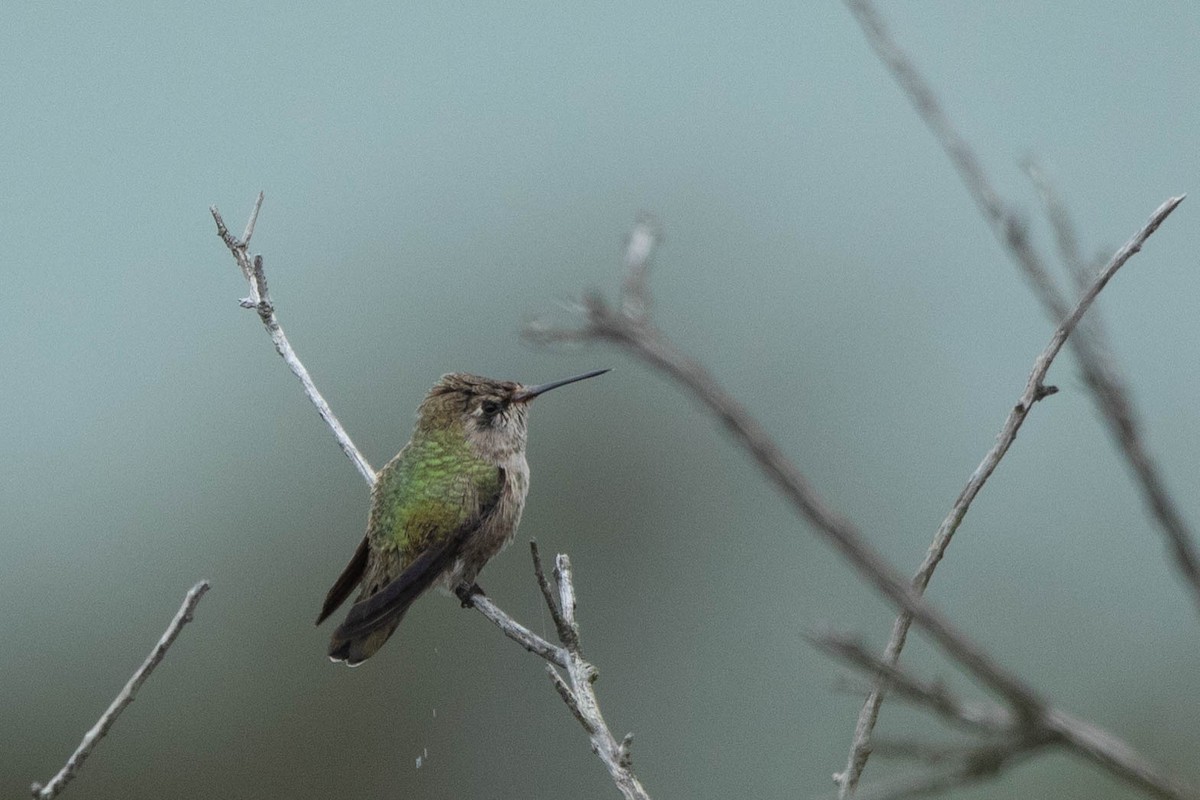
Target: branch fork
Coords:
[(576, 690)]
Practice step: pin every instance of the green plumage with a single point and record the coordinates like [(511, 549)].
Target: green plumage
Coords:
[(440, 510), (434, 486)]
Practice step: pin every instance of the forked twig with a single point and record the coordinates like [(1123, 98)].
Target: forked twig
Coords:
[(577, 690), (260, 301)]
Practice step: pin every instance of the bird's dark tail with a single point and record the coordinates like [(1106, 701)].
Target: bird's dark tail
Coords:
[(374, 617), (353, 648)]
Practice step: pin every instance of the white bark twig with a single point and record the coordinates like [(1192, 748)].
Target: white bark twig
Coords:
[(1096, 362), (580, 698), (638, 334), (577, 689), (260, 301), (518, 632), (98, 731), (566, 634)]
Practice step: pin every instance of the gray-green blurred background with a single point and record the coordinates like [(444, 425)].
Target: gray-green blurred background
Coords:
[(437, 172)]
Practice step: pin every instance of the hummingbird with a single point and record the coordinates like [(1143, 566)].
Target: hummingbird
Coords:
[(440, 509)]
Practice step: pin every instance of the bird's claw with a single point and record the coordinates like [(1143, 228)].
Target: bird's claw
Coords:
[(466, 594)]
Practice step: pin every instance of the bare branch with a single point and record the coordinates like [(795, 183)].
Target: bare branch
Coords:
[(518, 632), (1111, 395), (260, 301), (124, 698), (625, 751), (1107, 388), (252, 221), (578, 692), (1099, 368), (1035, 389), (566, 634), (566, 599), (644, 340), (568, 697)]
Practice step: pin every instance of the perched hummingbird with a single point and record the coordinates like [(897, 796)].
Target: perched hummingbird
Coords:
[(447, 503)]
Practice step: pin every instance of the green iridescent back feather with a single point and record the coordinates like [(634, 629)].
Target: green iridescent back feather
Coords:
[(433, 487)]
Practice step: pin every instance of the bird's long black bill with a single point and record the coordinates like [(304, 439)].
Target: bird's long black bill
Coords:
[(531, 392)]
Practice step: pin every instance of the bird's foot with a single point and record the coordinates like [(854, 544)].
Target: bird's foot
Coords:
[(466, 594)]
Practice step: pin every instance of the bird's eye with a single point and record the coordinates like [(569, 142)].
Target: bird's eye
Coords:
[(489, 407)]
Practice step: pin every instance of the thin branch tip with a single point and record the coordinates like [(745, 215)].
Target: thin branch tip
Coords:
[(182, 617), (260, 300), (253, 220)]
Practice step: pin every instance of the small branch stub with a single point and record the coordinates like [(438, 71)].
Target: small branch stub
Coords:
[(625, 752)]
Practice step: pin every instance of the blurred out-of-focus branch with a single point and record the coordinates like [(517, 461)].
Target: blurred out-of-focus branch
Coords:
[(1034, 722), (1100, 370)]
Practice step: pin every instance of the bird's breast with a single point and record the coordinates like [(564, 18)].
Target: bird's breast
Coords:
[(496, 529)]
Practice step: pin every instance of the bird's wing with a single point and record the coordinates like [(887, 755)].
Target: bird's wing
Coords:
[(351, 576), (481, 491)]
